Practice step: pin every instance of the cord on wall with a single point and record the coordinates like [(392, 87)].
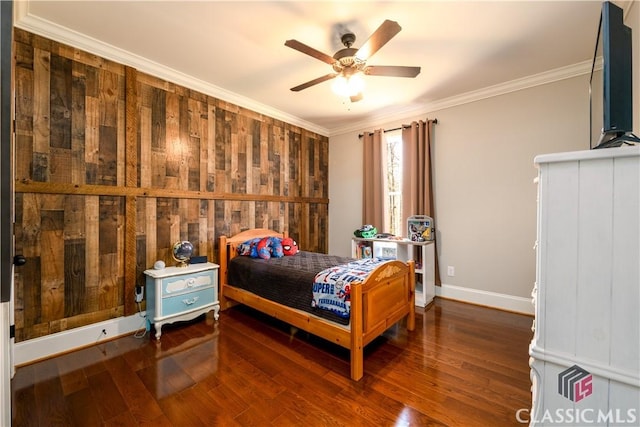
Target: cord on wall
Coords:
[(142, 331)]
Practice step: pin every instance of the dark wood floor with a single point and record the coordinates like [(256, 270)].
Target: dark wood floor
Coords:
[(464, 365)]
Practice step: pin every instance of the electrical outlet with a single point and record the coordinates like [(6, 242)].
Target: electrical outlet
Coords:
[(139, 291), (451, 271)]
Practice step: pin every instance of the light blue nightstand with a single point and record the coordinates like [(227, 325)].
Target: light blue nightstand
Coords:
[(181, 293)]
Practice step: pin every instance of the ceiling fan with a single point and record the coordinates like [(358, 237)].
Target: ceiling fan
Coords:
[(349, 63)]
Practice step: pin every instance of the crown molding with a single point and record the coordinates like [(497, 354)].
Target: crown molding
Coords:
[(468, 97), (53, 31)]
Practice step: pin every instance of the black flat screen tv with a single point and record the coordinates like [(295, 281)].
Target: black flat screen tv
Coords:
[(611, 98)]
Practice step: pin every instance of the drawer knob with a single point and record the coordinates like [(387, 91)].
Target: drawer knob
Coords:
[(191, 282)]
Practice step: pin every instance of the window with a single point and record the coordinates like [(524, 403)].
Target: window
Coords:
[(393, 192)]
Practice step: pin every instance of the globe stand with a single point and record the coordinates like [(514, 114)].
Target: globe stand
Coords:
[(182, 252), (181, 263)]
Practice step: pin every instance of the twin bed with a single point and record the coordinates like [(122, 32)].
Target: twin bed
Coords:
[(281, 288)]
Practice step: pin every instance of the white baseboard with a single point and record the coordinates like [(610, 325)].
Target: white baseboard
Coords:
[(486, 298), (41, 348)]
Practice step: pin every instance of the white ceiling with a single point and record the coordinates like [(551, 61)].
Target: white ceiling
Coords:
[(235, 50)]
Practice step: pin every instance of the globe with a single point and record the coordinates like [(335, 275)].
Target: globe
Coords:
[(182, 252)]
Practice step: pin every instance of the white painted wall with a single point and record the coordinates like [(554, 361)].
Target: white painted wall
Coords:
[(485, 198)]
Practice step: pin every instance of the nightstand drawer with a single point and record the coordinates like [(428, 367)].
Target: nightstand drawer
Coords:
[(180, 284), (187, 301)]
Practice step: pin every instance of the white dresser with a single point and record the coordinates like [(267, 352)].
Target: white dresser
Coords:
[(181, 293), (585, 353)]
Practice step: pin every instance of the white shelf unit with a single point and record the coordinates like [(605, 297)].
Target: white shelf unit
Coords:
[(587, 291), (423, 253)]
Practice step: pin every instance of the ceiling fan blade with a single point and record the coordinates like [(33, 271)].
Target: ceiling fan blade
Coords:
[(301, 47), (314, 82), (391, 71), (379, 38)]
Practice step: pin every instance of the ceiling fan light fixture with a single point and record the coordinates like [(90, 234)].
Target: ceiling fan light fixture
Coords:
[(348, 86), (349, 64)]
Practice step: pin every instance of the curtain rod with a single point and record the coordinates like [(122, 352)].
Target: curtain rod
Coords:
[(434, 121)]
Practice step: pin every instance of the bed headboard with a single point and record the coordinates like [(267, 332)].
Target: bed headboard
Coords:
[(228, 247)]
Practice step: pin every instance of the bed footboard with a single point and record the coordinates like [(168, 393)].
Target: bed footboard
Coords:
[(387, 296)]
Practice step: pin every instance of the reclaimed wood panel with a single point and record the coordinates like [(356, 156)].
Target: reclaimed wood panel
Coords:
[(60, 102), (111, 252), (92, 141), (172, 220), (122, 161), (111, 161), (73, 111), (129, 177), (158, 118), (150, 208), (28, 217), (107, 167), (24, 104), (130, 250), (320, 170), (141, 261), (293, 184), (73, 246), (78, 123), (222, 140), (27, 281), (41, 105), (293, 217), (144, 150), (317, 223), (92, 258), (110, 292), (74, 274), (52, 256)]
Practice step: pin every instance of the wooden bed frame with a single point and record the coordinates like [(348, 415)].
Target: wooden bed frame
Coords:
[(384, 298)]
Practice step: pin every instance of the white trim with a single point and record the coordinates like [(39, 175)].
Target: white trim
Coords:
[(72, 339), (486, 298)]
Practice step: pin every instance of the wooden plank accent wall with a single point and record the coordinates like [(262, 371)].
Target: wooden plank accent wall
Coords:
[(113, 166)]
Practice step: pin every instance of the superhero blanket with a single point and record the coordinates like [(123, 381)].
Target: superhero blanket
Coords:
[(332, 287)]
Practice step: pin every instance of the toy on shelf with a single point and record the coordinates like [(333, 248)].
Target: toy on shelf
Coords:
[(420, 228)]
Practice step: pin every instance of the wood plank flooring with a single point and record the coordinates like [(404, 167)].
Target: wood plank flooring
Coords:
[(464, 365)]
